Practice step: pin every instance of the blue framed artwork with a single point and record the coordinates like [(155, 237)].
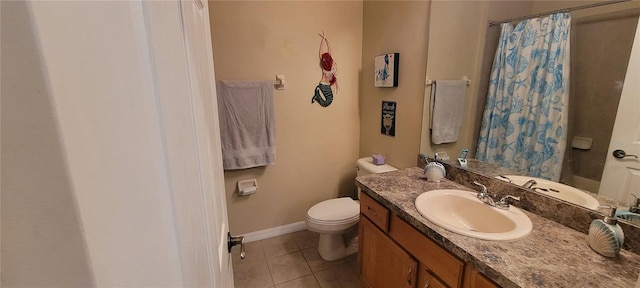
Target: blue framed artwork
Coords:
[(386, 70)]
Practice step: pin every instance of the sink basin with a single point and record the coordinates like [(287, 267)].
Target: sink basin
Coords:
[(564, 192), (461, 212)]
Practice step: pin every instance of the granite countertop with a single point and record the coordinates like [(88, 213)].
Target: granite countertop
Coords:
[(551, 256)]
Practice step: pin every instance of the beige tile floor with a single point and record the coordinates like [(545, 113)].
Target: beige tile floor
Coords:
[(291, 261)]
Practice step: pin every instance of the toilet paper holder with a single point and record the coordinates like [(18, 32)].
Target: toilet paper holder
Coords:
[(247, 187)]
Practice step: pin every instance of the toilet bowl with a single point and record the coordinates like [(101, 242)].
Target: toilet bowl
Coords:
[(331, 219), (334, 218)]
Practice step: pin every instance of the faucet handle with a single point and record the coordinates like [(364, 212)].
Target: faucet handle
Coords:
[(504, 199), (635, 207), (504, 204), (484, 188)]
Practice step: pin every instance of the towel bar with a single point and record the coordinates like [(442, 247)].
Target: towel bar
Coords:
[(429, 82), (280, 82)]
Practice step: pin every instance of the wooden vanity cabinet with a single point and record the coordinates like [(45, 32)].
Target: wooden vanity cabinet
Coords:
[(394, 254), (473, 279), (384, 264), (427, 279)]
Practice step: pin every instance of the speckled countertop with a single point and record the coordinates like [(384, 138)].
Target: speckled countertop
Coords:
[(551, 256)]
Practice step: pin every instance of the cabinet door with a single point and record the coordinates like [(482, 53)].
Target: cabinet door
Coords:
[(384, 263), (426, 279), (473, 278)]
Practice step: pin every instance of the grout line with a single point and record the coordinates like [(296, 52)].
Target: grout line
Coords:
[(313, 273), (266, 262)]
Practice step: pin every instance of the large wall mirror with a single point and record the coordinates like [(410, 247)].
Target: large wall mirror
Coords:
[(601, 44)]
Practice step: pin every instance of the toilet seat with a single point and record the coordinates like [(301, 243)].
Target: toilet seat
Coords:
[(334, 211), (338, 222)]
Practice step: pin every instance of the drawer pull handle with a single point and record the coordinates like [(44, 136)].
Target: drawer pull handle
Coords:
[(373, 211), (426, 284), (409, 275)]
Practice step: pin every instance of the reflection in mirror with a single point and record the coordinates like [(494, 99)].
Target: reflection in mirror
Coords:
[(600, 46)]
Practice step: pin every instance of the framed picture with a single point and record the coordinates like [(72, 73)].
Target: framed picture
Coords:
[(388, 121), (386, 70)]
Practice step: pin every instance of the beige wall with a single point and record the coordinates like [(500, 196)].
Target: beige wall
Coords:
[(388, 27), (247, 47), (454, 52), (316, 147)]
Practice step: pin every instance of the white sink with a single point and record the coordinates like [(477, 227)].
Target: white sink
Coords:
[(557, 190), (461, 212)]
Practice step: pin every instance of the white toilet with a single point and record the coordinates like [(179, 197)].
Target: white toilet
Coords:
[(333, 218)]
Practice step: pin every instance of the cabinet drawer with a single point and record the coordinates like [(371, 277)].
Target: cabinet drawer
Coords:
[(426, 279), (440, 262), (377, 213)]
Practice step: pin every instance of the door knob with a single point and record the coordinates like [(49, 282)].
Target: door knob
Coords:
[(235, 240), (621, 154)]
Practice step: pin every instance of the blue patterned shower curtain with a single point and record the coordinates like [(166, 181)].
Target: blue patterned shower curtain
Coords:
[(524, 124)]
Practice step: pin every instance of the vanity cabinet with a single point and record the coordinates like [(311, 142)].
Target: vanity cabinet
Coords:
[(384, 263), (427, 279), (394, 254), (473, 279)]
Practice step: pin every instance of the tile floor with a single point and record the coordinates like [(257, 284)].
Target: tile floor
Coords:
[(291, 260)]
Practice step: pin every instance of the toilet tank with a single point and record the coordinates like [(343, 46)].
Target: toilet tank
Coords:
[(365, 166)]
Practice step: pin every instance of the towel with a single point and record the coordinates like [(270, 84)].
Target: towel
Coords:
[(247, 123), (446, 110)]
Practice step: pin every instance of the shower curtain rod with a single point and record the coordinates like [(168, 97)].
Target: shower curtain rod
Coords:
[(494, 23)]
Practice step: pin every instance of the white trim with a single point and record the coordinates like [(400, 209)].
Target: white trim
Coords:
[(274, 231)]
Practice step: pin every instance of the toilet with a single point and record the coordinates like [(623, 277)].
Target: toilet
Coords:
[(334, 218)]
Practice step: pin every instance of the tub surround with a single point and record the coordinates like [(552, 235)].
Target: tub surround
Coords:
[(565, 213), (551, 256)]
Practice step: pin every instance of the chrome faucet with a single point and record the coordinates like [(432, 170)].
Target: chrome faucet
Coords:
[(529, 184), (505, 177), (487, 198), (503, 204), (484, 196)]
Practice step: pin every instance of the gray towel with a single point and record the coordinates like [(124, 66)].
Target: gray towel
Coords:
[(247, 123), (447, 109)]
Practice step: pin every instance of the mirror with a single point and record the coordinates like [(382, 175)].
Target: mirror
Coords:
[(596, 53)]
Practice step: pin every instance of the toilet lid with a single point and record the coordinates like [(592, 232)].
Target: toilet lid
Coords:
[(335, 209)]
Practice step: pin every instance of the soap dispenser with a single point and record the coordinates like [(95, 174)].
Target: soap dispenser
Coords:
[(606, 236), (434, 170)]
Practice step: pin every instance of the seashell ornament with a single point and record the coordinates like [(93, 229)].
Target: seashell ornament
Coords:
[(605, 236)]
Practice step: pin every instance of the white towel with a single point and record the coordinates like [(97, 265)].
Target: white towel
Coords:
[(447, 109), (247, 123)]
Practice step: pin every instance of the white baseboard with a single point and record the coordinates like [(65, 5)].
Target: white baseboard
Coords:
[(275, 231)]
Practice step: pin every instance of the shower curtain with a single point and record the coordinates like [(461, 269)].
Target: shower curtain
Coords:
[(524, 123)]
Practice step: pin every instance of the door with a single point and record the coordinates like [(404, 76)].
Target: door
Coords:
[(195, 19), (384, 263), (621, 176), (190, 117), (133, 105)]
